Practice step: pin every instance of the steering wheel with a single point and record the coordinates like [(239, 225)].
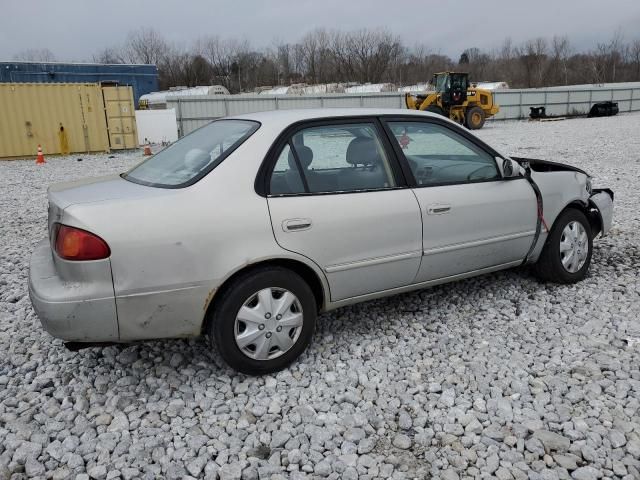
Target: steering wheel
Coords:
[(469, 177)]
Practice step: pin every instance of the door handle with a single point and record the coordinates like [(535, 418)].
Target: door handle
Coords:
[(438, 209), (296, 224)]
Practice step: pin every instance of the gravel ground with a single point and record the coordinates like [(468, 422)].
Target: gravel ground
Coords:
[(494, 377)]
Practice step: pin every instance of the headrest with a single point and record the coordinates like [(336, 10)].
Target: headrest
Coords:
[(363, 151), (305, 155), (196, 159)]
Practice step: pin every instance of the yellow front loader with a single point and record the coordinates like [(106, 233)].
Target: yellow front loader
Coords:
[(452, 96)]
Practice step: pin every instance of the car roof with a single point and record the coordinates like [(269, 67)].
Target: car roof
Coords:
[(278, 118)]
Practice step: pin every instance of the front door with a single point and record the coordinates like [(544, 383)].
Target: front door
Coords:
[(473, 219), (336, 197)]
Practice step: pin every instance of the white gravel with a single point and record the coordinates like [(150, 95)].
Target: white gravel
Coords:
[(494, 377)]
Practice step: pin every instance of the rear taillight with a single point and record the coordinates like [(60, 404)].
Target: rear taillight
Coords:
[(76, 244)]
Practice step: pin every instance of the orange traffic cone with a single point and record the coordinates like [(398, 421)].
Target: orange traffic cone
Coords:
[(147, 150), (40, 157)]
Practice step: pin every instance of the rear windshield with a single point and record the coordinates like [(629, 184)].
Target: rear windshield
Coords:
[(193, 156)]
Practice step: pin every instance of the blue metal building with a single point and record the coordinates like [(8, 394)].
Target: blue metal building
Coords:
[(143, 78)]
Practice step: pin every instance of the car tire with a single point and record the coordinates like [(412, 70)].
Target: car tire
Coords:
[(564, 258), (246, 342), (474, 118)]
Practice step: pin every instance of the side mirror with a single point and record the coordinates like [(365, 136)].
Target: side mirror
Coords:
[(509, 169)]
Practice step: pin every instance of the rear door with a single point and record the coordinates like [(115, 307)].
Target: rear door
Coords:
[(473, 219), (336, 195)]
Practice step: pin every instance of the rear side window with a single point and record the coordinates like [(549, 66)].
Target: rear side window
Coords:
[(333, 158), (193, 156), (286, 176)]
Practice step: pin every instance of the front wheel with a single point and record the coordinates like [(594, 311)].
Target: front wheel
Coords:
[(264, 320), (566, 255), (474, 118)]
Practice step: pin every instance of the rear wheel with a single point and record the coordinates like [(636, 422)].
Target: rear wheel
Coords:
[(567, 252), (474, 118), (264, 320)]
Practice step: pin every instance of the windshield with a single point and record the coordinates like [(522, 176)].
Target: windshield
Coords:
[(441, 82), (193, 156)]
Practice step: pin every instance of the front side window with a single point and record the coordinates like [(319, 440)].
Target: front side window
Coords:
[(333, 158), (439, 156), (193, 156)]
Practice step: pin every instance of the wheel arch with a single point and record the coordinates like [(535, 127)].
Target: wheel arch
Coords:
[(592, 214), (311, 275)]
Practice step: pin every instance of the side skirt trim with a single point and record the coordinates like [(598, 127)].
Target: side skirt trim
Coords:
[(372, 261), (477, 243), (418, 286)]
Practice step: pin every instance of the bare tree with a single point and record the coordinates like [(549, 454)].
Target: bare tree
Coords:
[(475, 62), (323, 56), (109, 55), (561, 50), (317, 55), (634, 55), (35, 55), (283, 60), (366, 55), (504, 67), (173, 71), (145, 46), (225, 59), (297, 60), (533, 57)]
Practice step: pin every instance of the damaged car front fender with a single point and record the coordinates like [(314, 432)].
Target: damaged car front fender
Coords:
[(601, 202)]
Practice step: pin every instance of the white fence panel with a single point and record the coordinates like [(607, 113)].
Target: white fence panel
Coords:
[(387, 101), (293, 102), (620, 95), (249, 105), (624, 105), (533, 98), (193, 112), (581, 96), (342, 102), (601, 95), (509, 102), (156, 126)]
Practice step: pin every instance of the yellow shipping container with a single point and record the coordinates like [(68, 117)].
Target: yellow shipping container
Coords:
[(64, 118), (121, 117)]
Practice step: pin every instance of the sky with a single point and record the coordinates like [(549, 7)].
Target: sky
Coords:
[(76, 29)]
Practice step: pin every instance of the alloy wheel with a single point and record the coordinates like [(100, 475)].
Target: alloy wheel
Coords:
[(574, 247)]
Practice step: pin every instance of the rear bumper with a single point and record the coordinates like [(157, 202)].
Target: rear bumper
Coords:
[(82, 310), (602, 201)]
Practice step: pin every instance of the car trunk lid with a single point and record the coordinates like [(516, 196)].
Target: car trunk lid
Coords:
[(94, 190)]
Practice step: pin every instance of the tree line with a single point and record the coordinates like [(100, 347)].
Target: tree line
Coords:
[(368, 55)]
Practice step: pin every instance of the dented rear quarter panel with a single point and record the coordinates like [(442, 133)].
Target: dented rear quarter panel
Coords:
[(172, 249)]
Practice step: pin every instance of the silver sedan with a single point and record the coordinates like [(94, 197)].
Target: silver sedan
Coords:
[(247, 228)]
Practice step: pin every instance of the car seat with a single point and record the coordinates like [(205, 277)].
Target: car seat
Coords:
[(363, 151)]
